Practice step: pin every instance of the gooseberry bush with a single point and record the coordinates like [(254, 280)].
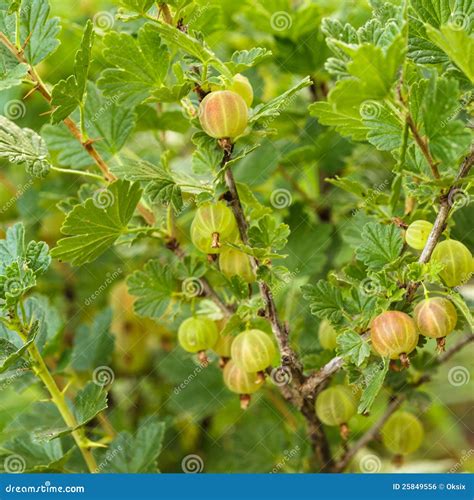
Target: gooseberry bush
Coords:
[(235, 230)]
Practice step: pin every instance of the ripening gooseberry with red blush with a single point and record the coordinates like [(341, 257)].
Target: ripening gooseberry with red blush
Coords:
[(223, 114), (393, 334), (435, 317)]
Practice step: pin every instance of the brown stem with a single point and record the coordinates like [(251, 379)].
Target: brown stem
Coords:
[(423, 145)]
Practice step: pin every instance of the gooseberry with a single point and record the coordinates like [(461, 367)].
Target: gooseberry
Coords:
[(236, 263), (327, 335), (417, 234), (336, 405), (197, 334), (253, 350), (457, 261), (435, 317), (402, 433), (240, 381), (393, 334), (213, 224), (240, 85), (223, 114)]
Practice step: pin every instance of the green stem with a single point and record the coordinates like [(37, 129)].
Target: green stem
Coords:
[(17, 31), (41, 370), (78, 172)]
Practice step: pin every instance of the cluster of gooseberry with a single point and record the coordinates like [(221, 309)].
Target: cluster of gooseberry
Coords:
[(243, 357), (401, 434)]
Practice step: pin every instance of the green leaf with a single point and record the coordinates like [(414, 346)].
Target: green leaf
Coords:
[(381, 245), (274, 108), (37, 32), (374, 376), (11, 72), (325, 300), (23, 146), (207, 157), (457, 44), (68, 94), (10, 355), (140, 6), (434, 106), (88, 403), (268, 233), (153, 288), (36, 456), (253, 209), (244, 59), (352, 346), (93, 226), (135, 453), (93, 345), (192, 46), (161, 186), (384, 127), (347, 121), (141, 64), (106, 120)]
